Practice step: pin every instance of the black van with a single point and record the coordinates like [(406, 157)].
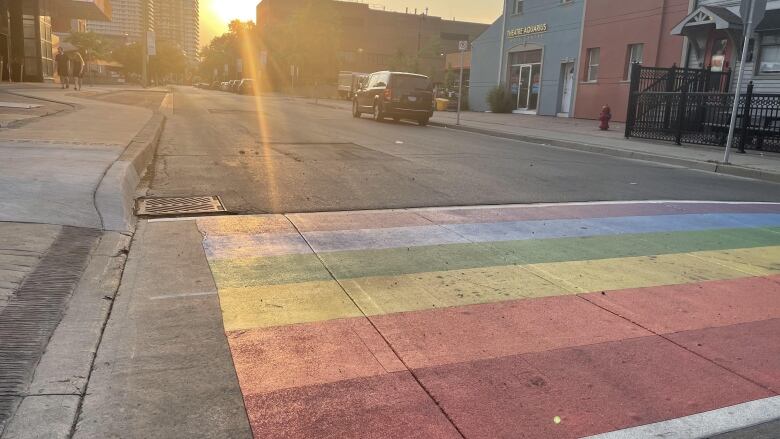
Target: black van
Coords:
[(395, 95)]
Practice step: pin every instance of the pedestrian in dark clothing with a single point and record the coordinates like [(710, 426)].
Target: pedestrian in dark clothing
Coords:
[(63, 67), (77, 69)]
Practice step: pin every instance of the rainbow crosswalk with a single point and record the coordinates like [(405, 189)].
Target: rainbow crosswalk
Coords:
[(489, 322)]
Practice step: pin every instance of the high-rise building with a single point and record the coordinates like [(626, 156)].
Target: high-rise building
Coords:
[(178, 22), (175, 21), (126, 20)]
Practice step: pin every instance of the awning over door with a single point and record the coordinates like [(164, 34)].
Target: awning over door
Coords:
[(704, 18)]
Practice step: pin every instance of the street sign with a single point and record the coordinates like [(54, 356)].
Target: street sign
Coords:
[(463, 46), (151, 44), (759, 10)]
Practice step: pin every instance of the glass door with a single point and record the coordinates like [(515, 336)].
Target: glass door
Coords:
[(524, 87), (514, 83), (535, 79)]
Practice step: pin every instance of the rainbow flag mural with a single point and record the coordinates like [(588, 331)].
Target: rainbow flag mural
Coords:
[(498, 322)]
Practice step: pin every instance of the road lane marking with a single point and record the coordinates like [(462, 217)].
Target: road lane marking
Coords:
[(184, 295)]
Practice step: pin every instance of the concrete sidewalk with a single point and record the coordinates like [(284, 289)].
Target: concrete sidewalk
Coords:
[(69, 171), (584, 135), (55, 163)]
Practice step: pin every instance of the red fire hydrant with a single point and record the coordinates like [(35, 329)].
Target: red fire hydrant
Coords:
[(605, 117)]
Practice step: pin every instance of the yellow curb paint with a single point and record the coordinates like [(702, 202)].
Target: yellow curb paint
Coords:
[(280, 305)]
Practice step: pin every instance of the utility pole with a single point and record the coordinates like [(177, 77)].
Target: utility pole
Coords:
[(463, 46), (145, 43), (752, 12)]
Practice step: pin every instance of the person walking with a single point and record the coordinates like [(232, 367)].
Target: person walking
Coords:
[(77, 70), (63, 67)]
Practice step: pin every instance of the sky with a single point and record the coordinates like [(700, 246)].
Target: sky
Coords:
[(216, 14)]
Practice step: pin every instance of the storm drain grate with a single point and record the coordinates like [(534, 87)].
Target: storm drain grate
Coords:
[(175, 206), (35, 310)]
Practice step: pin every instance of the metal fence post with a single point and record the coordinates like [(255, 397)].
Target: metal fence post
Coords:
[(681, 110), (633, 90), (670, 82), (746, 117)]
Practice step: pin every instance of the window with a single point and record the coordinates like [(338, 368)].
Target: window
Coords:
[(593, 64), (517, 7), (769, 55), (634, 56)]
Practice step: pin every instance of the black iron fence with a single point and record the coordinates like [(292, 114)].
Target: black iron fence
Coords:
[(675, 79), (703, 117)]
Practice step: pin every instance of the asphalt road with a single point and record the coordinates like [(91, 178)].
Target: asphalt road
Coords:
[(282, 155)]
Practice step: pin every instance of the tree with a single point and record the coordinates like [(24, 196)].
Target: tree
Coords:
[(91, 45), (130, 58), (227, 48), (169, 61)]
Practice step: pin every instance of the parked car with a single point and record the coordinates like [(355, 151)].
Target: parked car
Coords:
[(225, 86), (349, 83), (234, 85), (396, 95), (246, 87), (215, 85)]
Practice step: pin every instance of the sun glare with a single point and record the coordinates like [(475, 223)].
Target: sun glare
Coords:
[(225, 11)]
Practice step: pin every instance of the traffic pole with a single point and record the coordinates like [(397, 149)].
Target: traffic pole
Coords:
[(740, 75)]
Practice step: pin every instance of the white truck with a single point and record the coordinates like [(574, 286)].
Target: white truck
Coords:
[(349, 84)]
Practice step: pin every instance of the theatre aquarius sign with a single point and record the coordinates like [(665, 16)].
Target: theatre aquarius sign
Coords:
[(527, 30)]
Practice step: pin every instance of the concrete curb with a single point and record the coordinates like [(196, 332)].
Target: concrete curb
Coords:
[(115, 195), (737, 171)]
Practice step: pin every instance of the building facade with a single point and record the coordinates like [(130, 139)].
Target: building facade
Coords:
[(372, 39), (174, 21), (26, 33), (178, 22), (126, 21), (532, 50), (713, 30), (617, 34)]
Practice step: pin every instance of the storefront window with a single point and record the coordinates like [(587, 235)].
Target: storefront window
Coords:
[(770, 53), (525, 79)]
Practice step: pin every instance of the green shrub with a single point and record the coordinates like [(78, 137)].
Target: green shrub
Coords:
[(499, 100)]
